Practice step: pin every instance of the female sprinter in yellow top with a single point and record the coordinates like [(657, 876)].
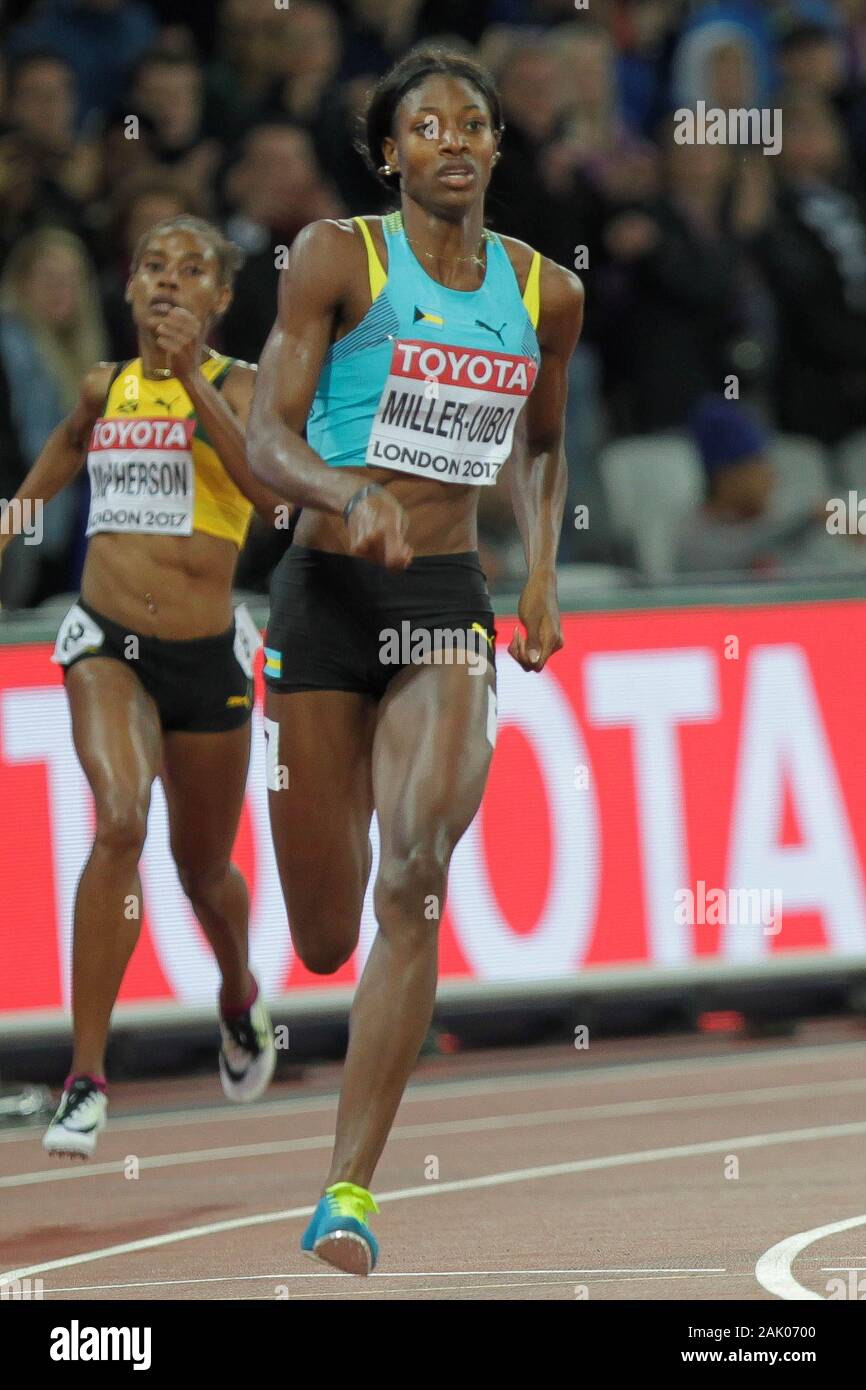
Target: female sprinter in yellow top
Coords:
[(158, 669), (420, 353)]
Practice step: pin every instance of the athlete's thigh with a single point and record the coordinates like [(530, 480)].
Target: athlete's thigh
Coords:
[(320, 818), (116, 731), (431, 756), (205, 776)]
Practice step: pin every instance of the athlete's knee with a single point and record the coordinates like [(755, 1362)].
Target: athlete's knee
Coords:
[(323, 960), (411, 882), (121, 822), (201, 882), (324, 944)]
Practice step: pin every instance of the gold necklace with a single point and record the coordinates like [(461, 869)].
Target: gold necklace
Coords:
[(479, 260), (166, 373)]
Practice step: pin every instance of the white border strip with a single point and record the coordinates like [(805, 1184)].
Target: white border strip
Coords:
[(334, 999)]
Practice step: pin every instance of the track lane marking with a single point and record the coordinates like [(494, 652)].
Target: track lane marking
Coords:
[(773, 1270), (553, 1170), (392, 1274), (600, 1073), (527, 1120)]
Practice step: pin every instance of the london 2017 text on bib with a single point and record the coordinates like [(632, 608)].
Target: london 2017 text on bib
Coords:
[(449, 412)]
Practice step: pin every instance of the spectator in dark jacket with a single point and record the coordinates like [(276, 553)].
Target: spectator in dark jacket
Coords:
[(274, 190), (811, 244), (532, 84), (684, 280)]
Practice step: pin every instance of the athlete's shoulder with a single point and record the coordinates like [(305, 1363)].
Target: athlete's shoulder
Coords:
[(95, 383), (325, 258), (327, 238), (92, 396), (556, 280), (561, 290), (520, 254), (561, 294)]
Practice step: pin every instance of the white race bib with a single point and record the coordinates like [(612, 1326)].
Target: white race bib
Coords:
[(248, 639), (449, 412), (142, 476), (78, 633)]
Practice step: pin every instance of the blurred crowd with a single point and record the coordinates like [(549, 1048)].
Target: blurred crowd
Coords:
[(726, 288)]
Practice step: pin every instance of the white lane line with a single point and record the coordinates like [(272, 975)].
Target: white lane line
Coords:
[(392, 1274), (773, 1270), (360, 1292), (355, 1291), (527, 1120), (551, 1170), (600, 1074)]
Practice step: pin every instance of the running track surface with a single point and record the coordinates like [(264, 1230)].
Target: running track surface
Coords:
[(704, 1167)]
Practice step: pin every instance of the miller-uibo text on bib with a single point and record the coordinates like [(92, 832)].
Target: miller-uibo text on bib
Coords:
[(449, 412)]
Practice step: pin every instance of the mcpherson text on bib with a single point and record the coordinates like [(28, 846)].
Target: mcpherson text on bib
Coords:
[(142, 476), (449, 412)]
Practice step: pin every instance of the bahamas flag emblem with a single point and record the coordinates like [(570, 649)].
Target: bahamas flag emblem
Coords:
[(427, 316), (273, 662)]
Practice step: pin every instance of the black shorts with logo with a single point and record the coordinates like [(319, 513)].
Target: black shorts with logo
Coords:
[(342, 623), (199, 684)]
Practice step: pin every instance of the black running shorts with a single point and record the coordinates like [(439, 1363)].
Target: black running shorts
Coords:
[(341, 623), (199, 684)]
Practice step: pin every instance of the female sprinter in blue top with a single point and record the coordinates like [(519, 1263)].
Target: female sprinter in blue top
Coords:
[(417, 353)]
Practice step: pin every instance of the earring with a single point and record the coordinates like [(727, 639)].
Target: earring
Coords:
[(386, 170)]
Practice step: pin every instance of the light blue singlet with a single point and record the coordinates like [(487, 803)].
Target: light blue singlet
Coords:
[(432, 379)]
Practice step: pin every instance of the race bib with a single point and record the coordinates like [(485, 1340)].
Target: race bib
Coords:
[(142, 477), (449, 412), (78, 633), (248, 639)]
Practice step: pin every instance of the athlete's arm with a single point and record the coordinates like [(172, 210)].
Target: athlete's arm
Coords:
[(65, 449), (223, 414), (313, 287), (537, 469)]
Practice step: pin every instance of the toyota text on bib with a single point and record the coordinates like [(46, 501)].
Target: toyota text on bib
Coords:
[(449, 412)]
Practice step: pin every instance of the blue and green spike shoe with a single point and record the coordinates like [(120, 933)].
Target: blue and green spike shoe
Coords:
[(338, 1233)]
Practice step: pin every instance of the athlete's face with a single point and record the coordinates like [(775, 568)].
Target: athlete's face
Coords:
[(176, 268), (443, 143)]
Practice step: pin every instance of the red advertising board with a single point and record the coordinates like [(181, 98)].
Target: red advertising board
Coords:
[(678, 786)]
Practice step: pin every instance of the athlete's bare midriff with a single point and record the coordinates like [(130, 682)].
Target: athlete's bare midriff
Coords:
[(442, 517), (172, 587)]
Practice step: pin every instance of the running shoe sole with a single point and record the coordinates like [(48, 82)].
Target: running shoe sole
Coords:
[(67, 1143), (343, 1250)]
